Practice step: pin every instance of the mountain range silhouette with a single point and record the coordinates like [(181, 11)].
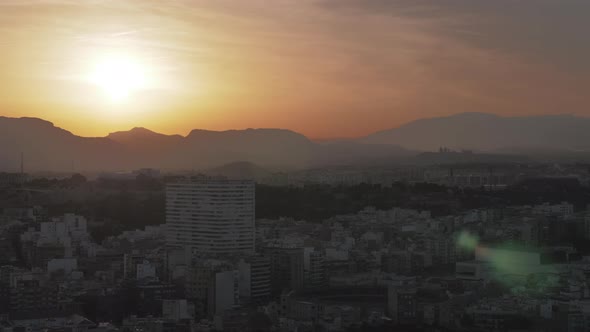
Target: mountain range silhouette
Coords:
[(50, 148)]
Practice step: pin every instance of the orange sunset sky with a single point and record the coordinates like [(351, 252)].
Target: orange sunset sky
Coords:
[(324, 68)]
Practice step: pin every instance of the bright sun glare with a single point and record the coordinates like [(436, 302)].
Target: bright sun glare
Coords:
[(118, 77)]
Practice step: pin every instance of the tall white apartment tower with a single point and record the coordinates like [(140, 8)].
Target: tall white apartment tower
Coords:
[(211, 216)]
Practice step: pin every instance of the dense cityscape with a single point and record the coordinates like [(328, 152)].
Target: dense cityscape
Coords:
[(429, 248), (294, 166)]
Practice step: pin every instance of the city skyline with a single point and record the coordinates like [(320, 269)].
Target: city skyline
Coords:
[(294, 165), (323, 68)]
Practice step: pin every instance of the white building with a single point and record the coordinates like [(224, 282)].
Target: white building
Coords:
[(564, 209), (145, 270), (224, 292), (587, 225), (177, 309), (67, 265), (211, 215), (254, 279), (69, 231), (64, 229)]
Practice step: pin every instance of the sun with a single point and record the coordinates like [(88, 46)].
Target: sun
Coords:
[(118, 77)]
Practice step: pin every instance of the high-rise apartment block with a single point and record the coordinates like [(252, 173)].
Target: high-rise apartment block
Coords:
[(211, 215)]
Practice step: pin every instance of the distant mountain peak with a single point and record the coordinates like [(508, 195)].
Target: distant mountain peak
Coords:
[(139, 132), (473, 115), (248, 133), (134, 130), (32, 120), (488, 132), (33, 123), (197, 131)]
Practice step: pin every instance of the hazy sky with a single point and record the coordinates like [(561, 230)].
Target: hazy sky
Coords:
[(325, 68)]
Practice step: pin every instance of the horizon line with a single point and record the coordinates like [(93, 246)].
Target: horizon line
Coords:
[(313, 138)]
